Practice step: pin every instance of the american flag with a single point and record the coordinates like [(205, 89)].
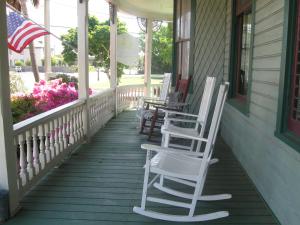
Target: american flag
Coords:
[(21, 32)]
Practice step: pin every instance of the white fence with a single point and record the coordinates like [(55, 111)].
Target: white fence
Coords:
[(45, 140)]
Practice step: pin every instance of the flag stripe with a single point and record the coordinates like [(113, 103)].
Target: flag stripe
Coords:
[(28, 41), (20, 35), (20, 38), (22, 32), (25, 24), (31, 36)]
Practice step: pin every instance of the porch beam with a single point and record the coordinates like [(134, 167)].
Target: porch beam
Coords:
[(83, 59), (47, 40), (148, 57), (8, 154)]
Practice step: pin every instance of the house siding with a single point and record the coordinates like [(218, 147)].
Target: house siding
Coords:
[(271, 164), (209, 46)]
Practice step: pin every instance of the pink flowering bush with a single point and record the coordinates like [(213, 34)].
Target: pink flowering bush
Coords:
[(53, 94), (45, 96)]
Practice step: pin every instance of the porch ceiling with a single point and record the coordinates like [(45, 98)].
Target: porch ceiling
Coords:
[(154, 9)]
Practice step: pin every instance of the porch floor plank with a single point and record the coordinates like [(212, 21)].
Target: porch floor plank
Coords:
[(102, 181)]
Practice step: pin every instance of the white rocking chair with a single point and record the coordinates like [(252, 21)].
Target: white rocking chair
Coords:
[(189, 170), (170, 130), (141, 109)]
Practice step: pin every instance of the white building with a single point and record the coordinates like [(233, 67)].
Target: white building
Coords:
[(25, 55)]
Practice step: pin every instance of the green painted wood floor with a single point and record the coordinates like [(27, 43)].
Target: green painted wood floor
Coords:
[(101, 183)]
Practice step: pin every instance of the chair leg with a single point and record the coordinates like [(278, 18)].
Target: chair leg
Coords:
[(197, 193), (146, 179), (166, 140), (153, 122), (143, 125)]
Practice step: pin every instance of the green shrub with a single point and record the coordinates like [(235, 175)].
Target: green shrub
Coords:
[(22, 107), (92, 68), (19, 63), (66, 79), (28, 62)]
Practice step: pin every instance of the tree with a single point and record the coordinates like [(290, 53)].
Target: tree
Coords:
[(162, 41), (98, 44), (21, 6)]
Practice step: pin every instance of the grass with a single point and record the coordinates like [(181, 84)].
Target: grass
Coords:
[(125, 80)]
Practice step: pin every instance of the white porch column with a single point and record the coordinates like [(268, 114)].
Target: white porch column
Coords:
[(47, 40), (113, 51), (148, 57), (83, 59), (8, 154)]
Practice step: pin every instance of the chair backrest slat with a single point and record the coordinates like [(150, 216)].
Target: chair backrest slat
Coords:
[(216, 119), (206, 99), (165, 87)]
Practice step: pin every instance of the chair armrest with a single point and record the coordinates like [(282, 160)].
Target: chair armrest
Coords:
[(166, 108), (180, 113), (181, 120), (155, 103), (157, 148), (178, 104)]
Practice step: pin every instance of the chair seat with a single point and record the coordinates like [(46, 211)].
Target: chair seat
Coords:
[(175, 165), (179, 131)]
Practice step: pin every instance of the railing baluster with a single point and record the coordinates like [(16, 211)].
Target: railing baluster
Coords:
[(80, 119), (47, 143), (56, 137), (36, 154), (60, 134), (23, 164), (52, 143), (29, 154), (71, 128), (64, 131), (75, 125), (42, 138)]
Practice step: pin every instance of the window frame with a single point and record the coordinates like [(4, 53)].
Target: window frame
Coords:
[(241, 102), (179, 42), (287, 66)]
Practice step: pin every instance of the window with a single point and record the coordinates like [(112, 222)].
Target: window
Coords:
[(182, 38), (241, 53), (288, 121), (294, 101)]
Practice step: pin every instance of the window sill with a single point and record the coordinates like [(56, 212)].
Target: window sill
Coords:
[(290, 139), (240, 105)]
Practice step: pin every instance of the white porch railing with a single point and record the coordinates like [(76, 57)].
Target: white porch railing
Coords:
[(101, 108), (43, 141), (127, 96)]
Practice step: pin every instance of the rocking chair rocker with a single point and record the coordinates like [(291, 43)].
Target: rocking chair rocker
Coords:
[(192, 171)]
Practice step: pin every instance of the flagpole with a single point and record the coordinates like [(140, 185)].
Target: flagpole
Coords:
[(26, 17)]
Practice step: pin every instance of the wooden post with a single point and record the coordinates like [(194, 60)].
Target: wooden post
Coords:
[(8, 154), (113, 52), (148, 57), (83, 60), (47, 40)]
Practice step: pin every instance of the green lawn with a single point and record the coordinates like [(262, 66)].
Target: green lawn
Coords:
[(127, 80)]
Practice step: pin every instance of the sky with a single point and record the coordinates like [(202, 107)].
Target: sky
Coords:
[(63, 16)]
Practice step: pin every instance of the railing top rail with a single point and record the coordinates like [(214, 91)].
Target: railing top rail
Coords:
[(102, 92), (43, 117), (131, 86)]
